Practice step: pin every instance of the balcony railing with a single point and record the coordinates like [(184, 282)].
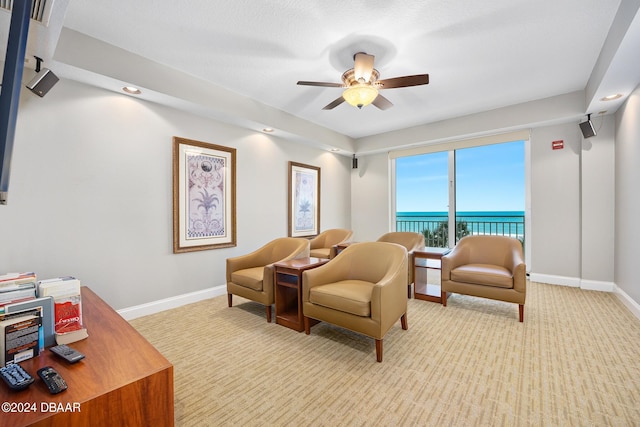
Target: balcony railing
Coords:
[(436, 229)]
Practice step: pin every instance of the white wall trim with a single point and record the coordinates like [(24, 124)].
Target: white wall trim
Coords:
[(169, 303), (456, 144), (180, 300), (587, 285), (555, 280), (628, 302), (596, 285), (590, 285)]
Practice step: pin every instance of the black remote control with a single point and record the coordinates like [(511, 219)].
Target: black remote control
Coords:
[(15, 376), (67, 353), (52, 379)]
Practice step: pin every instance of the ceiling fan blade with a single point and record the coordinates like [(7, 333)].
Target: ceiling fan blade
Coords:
[(323, 84), (333, 104), (382, 103), (405, 81), (363, 66)]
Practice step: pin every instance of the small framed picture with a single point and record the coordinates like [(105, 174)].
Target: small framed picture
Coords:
[(304, 200)]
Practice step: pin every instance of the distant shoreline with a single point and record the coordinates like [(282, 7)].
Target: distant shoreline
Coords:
[(478, 222), (462, 214)]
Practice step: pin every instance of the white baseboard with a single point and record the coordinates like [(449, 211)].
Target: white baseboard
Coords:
[(595, 285), (555, 280), (628, 302), (184, 299), (588, 285), (591, 285), (169, 303)]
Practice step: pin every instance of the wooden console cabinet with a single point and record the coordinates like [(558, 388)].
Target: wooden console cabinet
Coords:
[(123, 380)]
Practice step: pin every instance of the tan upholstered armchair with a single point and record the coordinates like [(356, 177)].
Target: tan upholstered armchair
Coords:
[(486, 266), (412, 242), (251, 276), (362, 289), (322, 246)]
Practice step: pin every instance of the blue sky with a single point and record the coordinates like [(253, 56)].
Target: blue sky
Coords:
[(489, 178)]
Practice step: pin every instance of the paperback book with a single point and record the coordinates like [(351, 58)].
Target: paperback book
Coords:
[(67, 301), (21, 336), (16, 287), (45, 304)]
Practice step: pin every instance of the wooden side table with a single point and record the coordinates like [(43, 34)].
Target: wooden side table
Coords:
[(288, 290), (425, 260)]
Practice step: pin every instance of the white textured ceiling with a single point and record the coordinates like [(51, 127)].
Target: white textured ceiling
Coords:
[(479, 55)]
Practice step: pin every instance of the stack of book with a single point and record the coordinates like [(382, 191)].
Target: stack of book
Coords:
[(16, 287), (20, 336), (67, 302)]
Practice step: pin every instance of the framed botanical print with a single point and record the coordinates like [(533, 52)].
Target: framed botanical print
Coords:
[(204, 196), (304, 200)]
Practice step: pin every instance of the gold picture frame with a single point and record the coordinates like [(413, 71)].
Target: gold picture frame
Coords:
[(204, 196), (304, 200)]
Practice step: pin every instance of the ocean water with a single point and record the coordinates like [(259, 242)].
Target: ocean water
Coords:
[(509, 223)]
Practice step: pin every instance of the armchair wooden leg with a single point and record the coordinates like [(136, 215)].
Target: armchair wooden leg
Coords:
[(403, 322), (443, 298), (409, 291), (307, 325), (379, 350), (268, 313), (230, 299), (521, 312)]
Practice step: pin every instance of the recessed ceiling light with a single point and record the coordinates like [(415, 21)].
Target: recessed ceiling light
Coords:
[(611, 97), (132, 90), (334, 150), (267, 130)]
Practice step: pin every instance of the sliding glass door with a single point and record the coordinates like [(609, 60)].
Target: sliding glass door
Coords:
[(490, 190), (422, 196), (447, 195)]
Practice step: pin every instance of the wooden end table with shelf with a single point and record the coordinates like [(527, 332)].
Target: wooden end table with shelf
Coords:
[(425, 260), (288, 290)]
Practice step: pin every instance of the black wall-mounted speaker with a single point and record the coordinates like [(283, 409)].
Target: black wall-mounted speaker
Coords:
[(354, 162), (42, 82), (587, 129)]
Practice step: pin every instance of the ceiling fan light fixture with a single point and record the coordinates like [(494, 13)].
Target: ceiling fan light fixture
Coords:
[(360, 95), (361, 84)]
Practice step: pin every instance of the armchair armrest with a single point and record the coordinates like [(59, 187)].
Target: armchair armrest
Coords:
[(241, 262), (519, 271), (276, 251), (317, 242), (323, 275), (457, 257), (392, 292), (516, 258)]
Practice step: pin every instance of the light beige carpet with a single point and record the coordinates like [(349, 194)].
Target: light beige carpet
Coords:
[(575, 361)]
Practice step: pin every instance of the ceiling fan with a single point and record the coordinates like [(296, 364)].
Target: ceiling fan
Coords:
[(361, 84)]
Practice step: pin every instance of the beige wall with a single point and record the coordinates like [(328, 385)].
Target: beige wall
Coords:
[(90, 194), (627, 202), (571, 207)]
